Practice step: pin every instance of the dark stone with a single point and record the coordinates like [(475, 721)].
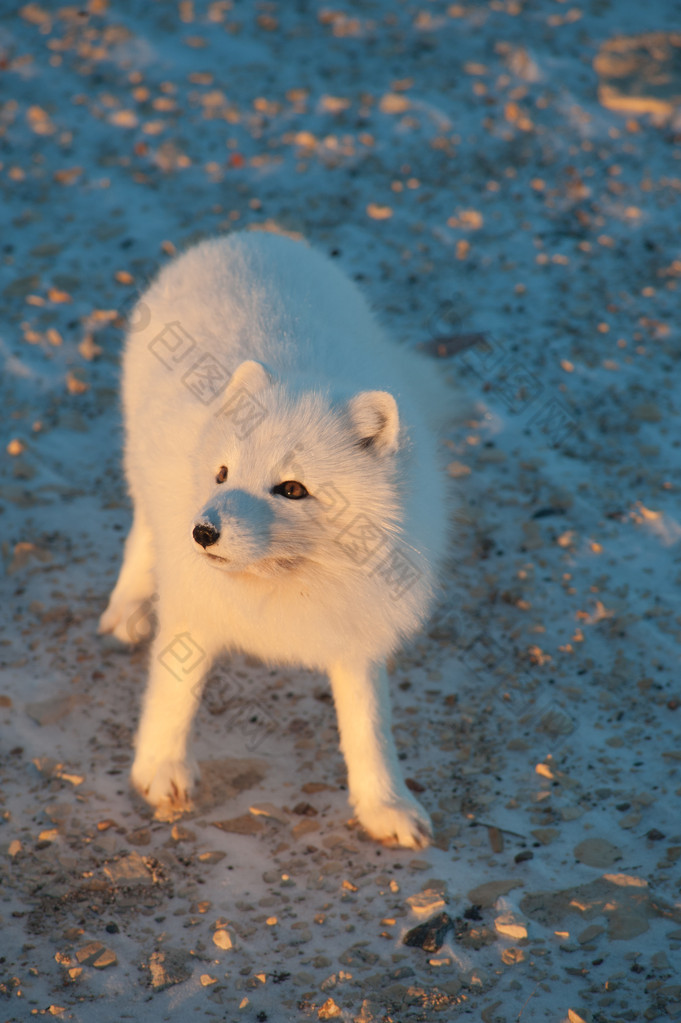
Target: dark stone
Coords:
[(431, 935)]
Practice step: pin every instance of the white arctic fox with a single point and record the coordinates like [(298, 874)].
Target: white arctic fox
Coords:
[(287, 502)]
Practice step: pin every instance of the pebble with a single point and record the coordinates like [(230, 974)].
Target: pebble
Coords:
[(485, 895), (245, 824), (167, 967), (222, 938), (510, 927), (597, 852), (425, 902), (429, 936), (268, 810), (130, 869), (48, 712)]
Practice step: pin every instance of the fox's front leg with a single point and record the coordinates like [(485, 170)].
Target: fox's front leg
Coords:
[(163, 770), (383, 803)]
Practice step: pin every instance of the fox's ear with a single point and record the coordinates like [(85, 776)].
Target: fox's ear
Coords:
[(376, 421), (249, 375)]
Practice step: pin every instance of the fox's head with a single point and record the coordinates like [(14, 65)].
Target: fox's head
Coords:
[(293, 480)]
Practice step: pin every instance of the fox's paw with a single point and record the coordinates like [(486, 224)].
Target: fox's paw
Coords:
[(166, 784), (130, 621), (399, 821)]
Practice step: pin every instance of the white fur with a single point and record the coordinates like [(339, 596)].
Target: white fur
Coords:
[(338, 408)]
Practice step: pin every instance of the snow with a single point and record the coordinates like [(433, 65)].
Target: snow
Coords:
[(540, 708)]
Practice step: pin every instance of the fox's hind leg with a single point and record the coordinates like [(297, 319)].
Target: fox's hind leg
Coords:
[(128, 615)]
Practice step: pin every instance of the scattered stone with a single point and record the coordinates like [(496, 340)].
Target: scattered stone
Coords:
[(305, 810), (458, 469), (556, 722), (141, 836), (425, 902), (107, 958), (329, 1011), (212, 856), (510, 927), (179, 833), (130, 869), (167, 967), (357, 955), (245, 824), (305, 827), (496, 840), (485, 895), (53, 769), (590, 933), (222, 938), (545, 835), (429, 936), (48, 712), (268, 810), (597, 852), (225, 778), (626, 902), (419, 865), (89, 952), (654, 835)]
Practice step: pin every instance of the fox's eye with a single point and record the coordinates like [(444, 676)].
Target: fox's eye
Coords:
[(291, 489), (222, 474)]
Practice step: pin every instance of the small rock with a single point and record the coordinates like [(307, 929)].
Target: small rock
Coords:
[(597, 852), (419, 865), (430, 935), (268, 810), (222, 938), (48, 712), (179, 833), (545, 835), (329, 1010), (589, 934), (245, 824), (212, 856), (305, 810), (167, 967), (623, 926), (458, 469), (89, 952), (130, 869), (485, 895), (304, 827), (510, 927), (556, 722), (141, 836), (647, 412), (425, 902), (107, 958)]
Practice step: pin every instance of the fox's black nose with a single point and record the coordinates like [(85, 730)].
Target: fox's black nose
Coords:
[(205, 534)]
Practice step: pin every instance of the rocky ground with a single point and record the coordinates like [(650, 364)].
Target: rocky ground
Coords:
[(503, 179)]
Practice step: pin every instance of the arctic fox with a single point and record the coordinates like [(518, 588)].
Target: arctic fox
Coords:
[(287, 502)]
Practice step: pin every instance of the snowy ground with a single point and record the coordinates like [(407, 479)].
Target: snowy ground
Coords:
[(459, 160)]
